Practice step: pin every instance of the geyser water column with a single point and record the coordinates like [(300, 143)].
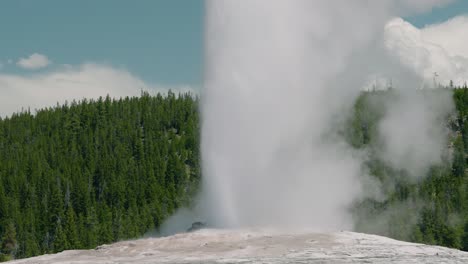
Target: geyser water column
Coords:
[(278, 75)]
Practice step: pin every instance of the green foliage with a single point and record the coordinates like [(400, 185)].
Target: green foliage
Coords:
[(92, 172), (9, 243)]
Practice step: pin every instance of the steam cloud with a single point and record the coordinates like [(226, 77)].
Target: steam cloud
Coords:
[(413, 131), (280, 76)]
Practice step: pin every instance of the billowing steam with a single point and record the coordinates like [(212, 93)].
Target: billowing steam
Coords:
[(413, 131), (280, 76)]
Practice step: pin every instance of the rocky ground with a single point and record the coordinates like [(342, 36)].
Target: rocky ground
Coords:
[(259, 246)]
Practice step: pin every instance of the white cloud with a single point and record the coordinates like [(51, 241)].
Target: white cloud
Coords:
[(68, 83), (451, 35), (440, 48), (35, 61)]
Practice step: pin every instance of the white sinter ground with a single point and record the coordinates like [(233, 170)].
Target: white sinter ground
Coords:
[(259, 246)]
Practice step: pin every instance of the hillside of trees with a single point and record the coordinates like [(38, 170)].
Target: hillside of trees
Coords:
[(96, 171), (432, 209)]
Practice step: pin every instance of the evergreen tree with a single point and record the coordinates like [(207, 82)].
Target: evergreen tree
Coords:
[(95, 171), (8, 243)]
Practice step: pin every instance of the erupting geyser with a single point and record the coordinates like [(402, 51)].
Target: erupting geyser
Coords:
[(279, 76)]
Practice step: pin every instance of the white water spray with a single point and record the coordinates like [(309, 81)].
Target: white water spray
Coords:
[(279, 75)]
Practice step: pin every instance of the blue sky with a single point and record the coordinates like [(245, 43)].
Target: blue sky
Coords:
[(438, 15), (160, 41)]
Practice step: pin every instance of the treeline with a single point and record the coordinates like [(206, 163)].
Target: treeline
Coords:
[(96, 171), (432, 209)]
